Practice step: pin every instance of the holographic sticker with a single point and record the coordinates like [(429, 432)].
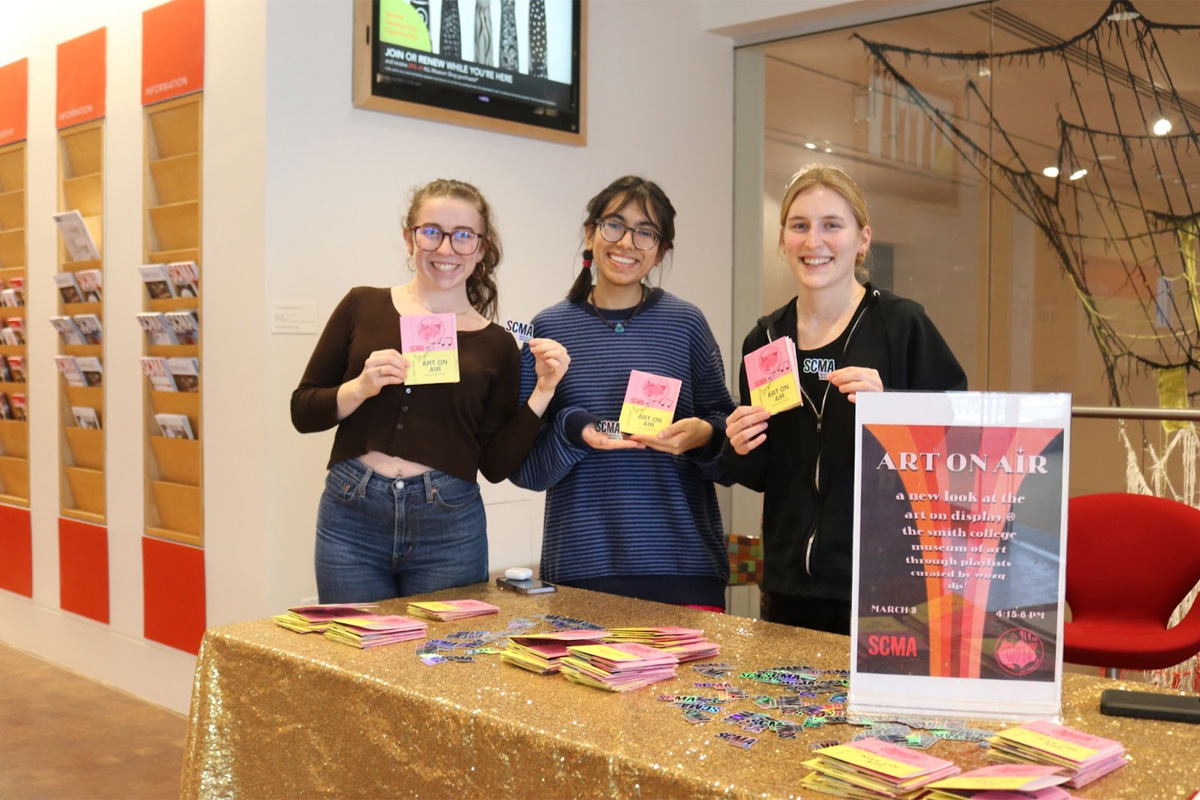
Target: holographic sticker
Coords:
[(821, 745), (431, 660), (522, 331), (920, 740), (696, 716), (522, 624), (611, 428), (737, 740)]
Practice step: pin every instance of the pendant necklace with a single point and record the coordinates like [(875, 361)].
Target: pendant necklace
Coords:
[(619, 326), (408, 288)]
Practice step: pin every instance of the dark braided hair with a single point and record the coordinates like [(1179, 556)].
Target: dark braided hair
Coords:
[(651, 200)]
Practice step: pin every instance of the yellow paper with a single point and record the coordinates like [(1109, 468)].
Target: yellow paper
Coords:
[(433, 606), (871, 761), (641, 419), (1172, 393), (434, 366), (1074, 752), (1012, 783), (604, 651), (778, 395)]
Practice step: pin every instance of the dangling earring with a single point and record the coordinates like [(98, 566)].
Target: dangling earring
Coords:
[(412, 265)]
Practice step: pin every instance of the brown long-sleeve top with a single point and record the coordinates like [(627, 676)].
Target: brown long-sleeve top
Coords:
[(461, 428)]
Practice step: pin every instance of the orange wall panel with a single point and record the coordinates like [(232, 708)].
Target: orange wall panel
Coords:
[(14, 101), (173, 585), (82, 68), (83, 569), (16, 551), (172, 50)]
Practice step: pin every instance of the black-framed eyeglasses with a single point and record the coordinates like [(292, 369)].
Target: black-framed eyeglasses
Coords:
[(613, 230), (463, 241)]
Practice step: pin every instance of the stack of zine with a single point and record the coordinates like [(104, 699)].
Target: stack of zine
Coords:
[(618, 667), (1012, 781), (1082, 756), (871, 768), (446, 610), (543, 652), (686, 644), (374, 630), (315, 619)]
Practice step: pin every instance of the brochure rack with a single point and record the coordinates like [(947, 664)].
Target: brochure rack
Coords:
[(174, 467), (81, 188), (14, 434)]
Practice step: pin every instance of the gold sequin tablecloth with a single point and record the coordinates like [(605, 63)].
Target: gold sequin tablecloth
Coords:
[(277, 714)]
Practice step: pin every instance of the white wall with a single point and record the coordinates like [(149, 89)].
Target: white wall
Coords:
[(302, 199), (117, 653), (338, 180)]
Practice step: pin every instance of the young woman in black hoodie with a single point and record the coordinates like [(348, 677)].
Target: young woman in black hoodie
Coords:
[(850, 337)]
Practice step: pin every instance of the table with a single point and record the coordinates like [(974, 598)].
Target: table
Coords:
[(277, 714)]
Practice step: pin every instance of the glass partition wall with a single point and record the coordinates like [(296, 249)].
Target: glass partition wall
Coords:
[(1018, 189)]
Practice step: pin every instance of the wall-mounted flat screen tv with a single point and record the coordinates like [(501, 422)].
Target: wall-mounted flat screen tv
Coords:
[(514, 66)]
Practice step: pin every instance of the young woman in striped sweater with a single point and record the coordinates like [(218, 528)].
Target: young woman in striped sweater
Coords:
[(634, 516)]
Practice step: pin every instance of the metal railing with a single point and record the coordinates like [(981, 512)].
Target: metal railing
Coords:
[(1106, 412)]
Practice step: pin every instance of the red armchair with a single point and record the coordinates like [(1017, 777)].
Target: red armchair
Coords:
[(1131, 559)]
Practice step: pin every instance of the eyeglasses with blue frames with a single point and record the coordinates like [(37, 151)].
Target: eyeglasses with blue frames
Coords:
[(463, 241), (613, 230)]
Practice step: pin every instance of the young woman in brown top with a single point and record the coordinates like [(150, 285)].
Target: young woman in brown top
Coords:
[(401, 512)]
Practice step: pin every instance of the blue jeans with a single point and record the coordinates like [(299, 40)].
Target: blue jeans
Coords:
[(379, 538)]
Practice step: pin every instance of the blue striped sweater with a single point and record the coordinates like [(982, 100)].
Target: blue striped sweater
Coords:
[(635, 522)]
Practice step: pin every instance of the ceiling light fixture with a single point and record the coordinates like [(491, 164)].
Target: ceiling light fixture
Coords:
[(1123, 14), (1050, 172), (1077, 174), (810, 145), (1162, 127), (828, 149)]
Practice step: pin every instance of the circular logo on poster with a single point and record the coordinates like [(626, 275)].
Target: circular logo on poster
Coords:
[(1019, 652)]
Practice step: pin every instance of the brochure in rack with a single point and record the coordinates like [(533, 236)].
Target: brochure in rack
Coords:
[(68, 287), (69, 368), (186, 371), (155, 368), (68, 330), (158, 284), (185, 278), (76, 237), (92, 369), (91, 282), (155, 326), (89, 326), (174, 426), (16, 368), (86, 418)]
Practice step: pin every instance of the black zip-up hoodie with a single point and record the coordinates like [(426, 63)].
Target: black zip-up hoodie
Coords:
[(808, 519)]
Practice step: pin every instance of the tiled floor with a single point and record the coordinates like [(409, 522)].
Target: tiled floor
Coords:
[(66, 737)]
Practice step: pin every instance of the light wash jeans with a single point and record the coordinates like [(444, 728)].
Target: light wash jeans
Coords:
[(379, 538)]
